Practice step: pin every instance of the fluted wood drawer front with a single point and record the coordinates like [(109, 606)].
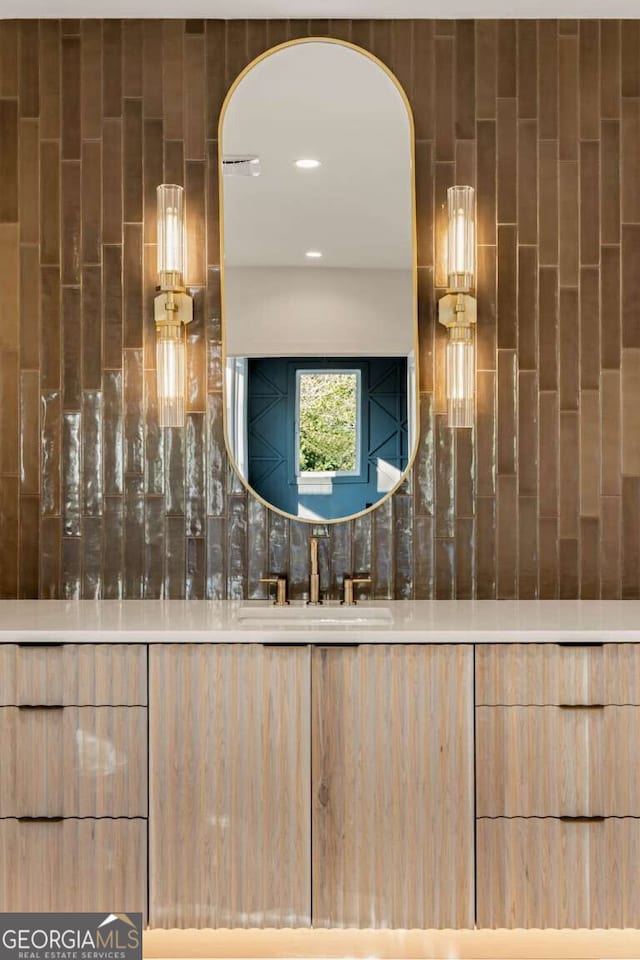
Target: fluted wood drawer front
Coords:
[(73, 865), (549, 673), (550, 762), (551, 873), (392, 786), (73, 762), (82, 673)]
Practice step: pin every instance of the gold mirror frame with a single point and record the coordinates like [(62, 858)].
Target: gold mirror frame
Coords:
[(223, 319)]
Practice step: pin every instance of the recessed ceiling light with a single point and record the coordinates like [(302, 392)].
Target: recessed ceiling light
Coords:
[(307, 163), (313, 254)]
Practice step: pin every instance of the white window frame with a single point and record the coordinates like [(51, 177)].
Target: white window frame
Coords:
[(319, 475), (236, 395)]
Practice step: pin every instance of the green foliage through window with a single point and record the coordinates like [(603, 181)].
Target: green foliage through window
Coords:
[(328, 422)]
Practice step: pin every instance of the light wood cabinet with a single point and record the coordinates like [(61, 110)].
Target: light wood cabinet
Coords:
[(550, 673), (230, 811), (73, 777), (552, 873), (331, 786), (73, 762), (78, 674), (73, 865), (551, 762), (557, 779), (233, 730), (393, 819)]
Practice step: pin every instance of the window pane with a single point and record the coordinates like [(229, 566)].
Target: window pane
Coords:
[(328, 418)]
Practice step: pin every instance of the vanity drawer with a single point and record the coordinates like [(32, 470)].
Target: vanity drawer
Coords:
[(73, 762), (550, 673), (73, 865), (553, 761), (73, 673), (553, 873)]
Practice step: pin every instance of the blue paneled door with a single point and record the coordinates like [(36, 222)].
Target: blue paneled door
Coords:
[(271, 433)]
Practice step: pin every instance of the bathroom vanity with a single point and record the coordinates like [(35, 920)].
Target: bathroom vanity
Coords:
[(391, 765)]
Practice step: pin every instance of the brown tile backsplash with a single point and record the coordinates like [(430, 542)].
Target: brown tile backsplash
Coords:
[(630, 74), (541, 500), (9, 160)]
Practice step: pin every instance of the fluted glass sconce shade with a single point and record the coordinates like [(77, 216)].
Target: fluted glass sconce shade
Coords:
[(170, 359), (461, 239), (173, 307), (170, 234), (461, 374)]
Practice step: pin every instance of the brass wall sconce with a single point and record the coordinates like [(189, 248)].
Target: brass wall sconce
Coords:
[(173, 307), (457, 311)]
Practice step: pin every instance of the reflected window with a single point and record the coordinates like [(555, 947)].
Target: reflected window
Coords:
[(325, 437), (328, 422)]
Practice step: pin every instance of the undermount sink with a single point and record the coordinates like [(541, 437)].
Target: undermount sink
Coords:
[(323, 615)]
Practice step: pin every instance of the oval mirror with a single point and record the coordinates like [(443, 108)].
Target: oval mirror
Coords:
[(318, 280)]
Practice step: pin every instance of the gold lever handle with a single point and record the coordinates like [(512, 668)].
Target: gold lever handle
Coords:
[(281, 589), (349, 598)]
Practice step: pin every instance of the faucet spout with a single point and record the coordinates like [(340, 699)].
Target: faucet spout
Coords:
[(314, 573)]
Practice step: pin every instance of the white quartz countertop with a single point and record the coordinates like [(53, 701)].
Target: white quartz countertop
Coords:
[(403, 621)]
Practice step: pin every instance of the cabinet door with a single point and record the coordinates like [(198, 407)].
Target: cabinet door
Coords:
[(69, 865), (393, 815), (229, 786)]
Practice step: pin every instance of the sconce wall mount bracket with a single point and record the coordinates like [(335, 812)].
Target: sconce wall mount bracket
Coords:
[(457, 310), (172, 307)]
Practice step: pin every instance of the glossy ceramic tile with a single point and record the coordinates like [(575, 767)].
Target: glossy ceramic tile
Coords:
[(9, 58), (542, 500), (9, 160)]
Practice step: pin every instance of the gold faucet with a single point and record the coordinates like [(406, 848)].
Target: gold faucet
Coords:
[(349, 599), (314, 573), (281, 590)]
